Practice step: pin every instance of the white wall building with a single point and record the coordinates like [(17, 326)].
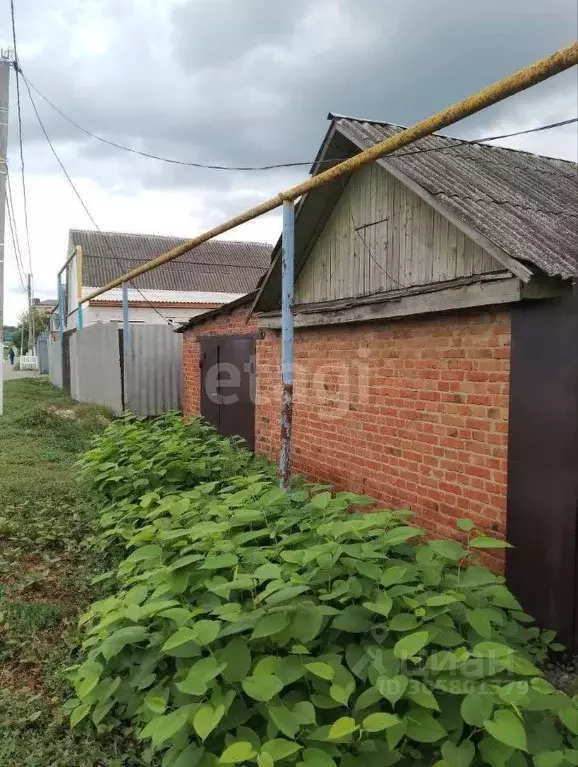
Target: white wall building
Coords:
[(215, 273)]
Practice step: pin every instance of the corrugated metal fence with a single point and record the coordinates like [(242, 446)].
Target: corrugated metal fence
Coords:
[(95, 366), (55, 364), (152, 371), (42, 352)]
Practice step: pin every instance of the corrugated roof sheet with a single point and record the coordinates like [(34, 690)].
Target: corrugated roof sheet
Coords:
[(526, 204), (217, 266), (163, 296)]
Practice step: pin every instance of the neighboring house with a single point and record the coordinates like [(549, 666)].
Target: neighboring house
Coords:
[(436, 348), (209, 276), (46, 306)]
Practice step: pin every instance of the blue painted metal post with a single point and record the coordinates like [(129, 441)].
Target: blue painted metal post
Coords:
[(125, 321), (287, 281), (125, 339), (79, 315), (60, 295)]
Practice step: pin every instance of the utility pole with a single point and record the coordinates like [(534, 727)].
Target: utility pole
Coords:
[(5, 65), (31, 329)]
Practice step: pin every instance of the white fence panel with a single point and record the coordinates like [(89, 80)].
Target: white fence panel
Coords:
[(95, 366), (55, 363), (153, 371)]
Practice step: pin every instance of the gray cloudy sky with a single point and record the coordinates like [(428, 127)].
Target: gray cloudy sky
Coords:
[(248, 82)]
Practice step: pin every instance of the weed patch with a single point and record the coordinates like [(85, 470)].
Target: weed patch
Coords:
[(45, 575), (248, 625)]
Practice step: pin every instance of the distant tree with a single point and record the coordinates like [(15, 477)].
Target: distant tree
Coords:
[(40, 325), (9, 331)]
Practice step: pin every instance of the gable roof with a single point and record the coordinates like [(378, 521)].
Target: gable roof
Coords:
[(217, 266), (521, 207)]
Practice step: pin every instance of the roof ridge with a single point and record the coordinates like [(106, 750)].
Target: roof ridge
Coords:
[(335, 116), (165, 237)]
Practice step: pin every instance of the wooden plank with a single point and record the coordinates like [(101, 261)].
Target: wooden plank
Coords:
[(359, 253), (510, 263), (449, 299)]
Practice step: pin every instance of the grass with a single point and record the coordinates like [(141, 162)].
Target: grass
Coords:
[(45, 575)]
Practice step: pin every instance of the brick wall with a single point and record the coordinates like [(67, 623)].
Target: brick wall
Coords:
[(413, 412)]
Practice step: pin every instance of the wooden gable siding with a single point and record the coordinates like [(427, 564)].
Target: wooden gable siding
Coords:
[(382, 236)]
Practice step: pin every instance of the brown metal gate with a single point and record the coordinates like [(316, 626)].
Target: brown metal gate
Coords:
[(542, 568), (228, 385), (66, 360)]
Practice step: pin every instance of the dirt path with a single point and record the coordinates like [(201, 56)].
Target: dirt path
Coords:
[(11, 375)]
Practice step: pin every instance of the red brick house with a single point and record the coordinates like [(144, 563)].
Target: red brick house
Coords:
[(436, 347)]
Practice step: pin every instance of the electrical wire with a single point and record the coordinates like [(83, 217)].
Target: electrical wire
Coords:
[(81, 201), (13, 238), (207, 166), (14, 232), (20, 140)]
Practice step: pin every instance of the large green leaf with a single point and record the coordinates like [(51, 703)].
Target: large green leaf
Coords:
[(285, 595), (354, 619), (237, 658), (180, 637), (279, 748), (423, 727), (458, 756), (270, 625), (484, 542), (342, 727), (285, 720), (569, 717), (476, 707), (479, 620), (206, 632), (422, 695), (79, 713), (206, 718), (380, 721), (410, 645), (219, 562), (156, 704), (549, 759), (165, 727), (448, 549), (392, 688), (307, 623), (314, 757), (237, 753), (118, 640), (507, 728), (262, 687), (323, 670), (145, 553), (199, 675)]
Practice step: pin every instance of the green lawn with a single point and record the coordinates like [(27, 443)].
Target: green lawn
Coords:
[(45, 573)]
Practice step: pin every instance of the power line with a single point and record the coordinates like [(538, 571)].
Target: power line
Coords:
[(13, 237), (14, 231), (208, 166), (31, 314), (81, 201), (20, 141)]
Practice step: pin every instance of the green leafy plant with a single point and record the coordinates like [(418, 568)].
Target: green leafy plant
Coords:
[(137, 455), (254, 626)]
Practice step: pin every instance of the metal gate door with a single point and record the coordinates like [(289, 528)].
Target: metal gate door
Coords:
[(66, 360), (228, 385), (542, 568)]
